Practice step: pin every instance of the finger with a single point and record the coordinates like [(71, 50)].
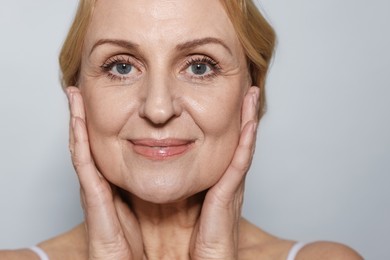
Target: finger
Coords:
[(242, 157), (75, 111), (71, 134), (101, 218), (76, 101), (233, 179), (103, 226), (130, 225), (87, 172), (91, 182), (221, 211), (82, 158), (251, 101)]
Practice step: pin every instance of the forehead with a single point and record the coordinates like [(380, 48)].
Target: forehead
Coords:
[(160, 21)]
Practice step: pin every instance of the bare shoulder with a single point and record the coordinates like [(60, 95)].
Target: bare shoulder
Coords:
[(258, 244), (71, 245), (328, 250), (20, 254)]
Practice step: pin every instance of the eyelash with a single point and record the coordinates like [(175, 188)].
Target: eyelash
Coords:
[(110, 63), (214, 67)]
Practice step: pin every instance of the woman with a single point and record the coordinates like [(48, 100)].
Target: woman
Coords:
[(165, 97)]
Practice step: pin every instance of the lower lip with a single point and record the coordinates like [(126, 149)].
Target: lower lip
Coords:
[(161, 152)]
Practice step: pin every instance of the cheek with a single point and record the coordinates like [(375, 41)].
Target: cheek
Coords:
[(106, 113), (219, 118), (218, 113)]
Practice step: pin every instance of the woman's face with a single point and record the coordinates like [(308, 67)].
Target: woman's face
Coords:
[(163, 83)]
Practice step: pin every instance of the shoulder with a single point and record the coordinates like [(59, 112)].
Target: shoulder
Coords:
[(316, 250), (70, 245), (21, 254), (327, 250), (256, 243)]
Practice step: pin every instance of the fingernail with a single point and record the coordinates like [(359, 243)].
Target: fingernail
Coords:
[(254, 99), (71, 98), (70, 95), (257, 95)]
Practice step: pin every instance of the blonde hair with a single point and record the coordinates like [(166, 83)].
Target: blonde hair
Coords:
[(255, 34), (70, 55)]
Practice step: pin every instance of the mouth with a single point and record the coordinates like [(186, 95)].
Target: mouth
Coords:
[(161, 149)]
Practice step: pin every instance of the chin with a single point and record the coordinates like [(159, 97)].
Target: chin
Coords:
[(161, 191), (161, 197)]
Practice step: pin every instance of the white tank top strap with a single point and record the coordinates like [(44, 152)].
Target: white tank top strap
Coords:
[(42, 255), (295, 250)]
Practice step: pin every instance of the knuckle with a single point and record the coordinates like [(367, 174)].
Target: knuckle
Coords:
[(222, 198), (80, 164), (241, 165), (71, 149)]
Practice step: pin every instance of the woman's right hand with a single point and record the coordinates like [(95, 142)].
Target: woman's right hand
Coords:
[(112, 229)]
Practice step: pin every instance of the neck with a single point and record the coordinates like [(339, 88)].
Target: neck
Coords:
[(167, 228)]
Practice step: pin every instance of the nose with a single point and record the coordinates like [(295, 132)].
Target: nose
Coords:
[(160, 103)]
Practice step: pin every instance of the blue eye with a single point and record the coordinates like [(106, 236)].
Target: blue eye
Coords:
[(199, 68), (122, 68)]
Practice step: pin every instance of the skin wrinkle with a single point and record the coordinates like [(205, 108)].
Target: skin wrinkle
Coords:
[(172, 222), (210, 111), (118, 42), (226, 62), (200, 106), (156, 214), (202, 41), (128, 45)]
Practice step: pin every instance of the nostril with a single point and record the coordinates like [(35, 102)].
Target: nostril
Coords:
[(159, 102), (158, 110)]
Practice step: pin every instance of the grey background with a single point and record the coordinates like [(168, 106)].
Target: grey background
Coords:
[(322, 166)]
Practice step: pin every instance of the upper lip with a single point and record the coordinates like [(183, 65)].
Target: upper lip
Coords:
[(166, 142)]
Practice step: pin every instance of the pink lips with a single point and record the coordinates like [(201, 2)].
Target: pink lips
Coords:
[(161, 149)]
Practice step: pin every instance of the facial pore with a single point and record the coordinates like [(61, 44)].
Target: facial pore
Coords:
[(163, 84)]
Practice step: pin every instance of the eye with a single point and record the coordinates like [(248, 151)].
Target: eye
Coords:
[(199, 69), (121, 67)]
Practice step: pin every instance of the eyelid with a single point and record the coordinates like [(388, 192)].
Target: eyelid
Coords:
[(189, 60), (109, 64), (122, 58), (204, 59)]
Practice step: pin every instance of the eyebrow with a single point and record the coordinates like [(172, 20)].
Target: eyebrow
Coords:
[(181, 47), (119, 43), (199, 42)]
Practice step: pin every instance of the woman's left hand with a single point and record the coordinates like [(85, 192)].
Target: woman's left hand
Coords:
[(217, 233)]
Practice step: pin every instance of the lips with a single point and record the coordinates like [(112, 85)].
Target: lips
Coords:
[(161, 149)]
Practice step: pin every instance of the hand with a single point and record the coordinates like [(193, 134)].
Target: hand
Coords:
[(217, 232), (113, 231)]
